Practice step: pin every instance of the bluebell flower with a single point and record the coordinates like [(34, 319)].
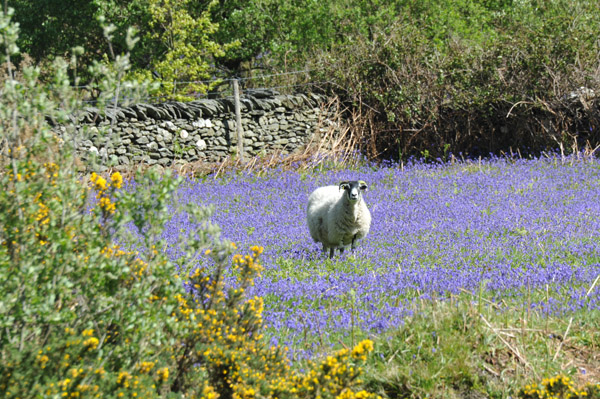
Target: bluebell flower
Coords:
[(518, 225)]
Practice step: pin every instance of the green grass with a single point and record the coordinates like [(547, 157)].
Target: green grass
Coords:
[(451, 350)]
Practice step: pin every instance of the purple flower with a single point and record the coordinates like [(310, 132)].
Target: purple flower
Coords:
[(504, 226)]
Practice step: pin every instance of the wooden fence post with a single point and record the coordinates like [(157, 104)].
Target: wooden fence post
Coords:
[(238, 120)]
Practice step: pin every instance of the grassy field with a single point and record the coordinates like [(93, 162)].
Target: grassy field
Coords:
[(476, 279)]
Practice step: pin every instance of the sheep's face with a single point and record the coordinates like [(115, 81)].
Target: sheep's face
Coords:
[(353, 189)]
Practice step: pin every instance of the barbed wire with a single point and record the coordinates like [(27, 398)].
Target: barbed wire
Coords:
[(206, 95), (243, 79)]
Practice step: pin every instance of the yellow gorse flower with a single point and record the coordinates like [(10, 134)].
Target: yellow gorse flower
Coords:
[(88, 333), (556, 387), (116, 180), (91, 343), (99, 182), (145, 367), (43, 359), (123, 379), (360, 351), (163, 373), (107, 205), (257, 250)]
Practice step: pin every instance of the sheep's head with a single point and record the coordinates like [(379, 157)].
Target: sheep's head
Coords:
[(353, 189)]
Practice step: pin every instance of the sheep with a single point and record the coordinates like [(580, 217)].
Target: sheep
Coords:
[(338, 216)]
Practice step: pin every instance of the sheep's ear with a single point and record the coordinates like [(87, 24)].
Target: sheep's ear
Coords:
[(362, 185), (344, 185)]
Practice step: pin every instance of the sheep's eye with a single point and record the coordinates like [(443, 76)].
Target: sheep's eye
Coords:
[(363, 186)]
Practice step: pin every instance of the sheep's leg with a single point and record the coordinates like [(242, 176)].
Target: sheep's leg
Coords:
[(331, 252), (341, 250), (353, 242), (325, 248)]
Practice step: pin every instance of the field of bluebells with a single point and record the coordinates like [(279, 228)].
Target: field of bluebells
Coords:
[(523, 233)]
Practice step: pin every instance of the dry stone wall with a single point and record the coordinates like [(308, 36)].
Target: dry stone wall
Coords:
[(202, 130)]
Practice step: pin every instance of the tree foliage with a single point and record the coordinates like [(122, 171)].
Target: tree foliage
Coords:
[(184, 48), (51, 28)]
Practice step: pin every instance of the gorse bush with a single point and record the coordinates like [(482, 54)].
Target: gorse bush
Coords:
[(91, 305), (559, 387)]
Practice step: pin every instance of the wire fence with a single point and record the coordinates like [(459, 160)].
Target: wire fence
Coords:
[(282, 82)]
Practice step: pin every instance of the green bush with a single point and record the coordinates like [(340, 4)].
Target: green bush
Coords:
[(468, 76), (91, 305)]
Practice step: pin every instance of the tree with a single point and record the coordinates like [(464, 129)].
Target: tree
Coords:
[(254, 23), (183, 51), (51, 28)]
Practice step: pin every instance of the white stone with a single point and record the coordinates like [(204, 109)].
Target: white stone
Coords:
[(183, 134), (199, 123), (201, 144), (208, 123), (170, 125), (94, 150)]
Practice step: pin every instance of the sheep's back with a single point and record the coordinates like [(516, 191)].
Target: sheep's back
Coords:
[(319, 203)]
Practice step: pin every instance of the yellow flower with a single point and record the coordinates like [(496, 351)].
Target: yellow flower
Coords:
[(362, 395), (124, 379), (91, 343), (99, 181), (163, 373), (116, 179), (64, 383), (107, 205), (360, 350), (145, 367), (257, 250), (43, 359), (208, 392)]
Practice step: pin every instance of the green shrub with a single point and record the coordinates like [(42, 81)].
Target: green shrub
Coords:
[(475, 77), (91, 305)]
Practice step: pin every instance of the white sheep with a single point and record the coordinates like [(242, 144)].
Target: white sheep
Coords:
[(338, 216)]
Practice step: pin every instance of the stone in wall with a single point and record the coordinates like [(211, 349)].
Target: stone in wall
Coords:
[(201, 130)]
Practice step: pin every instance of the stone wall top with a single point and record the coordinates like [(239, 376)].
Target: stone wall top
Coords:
[(254, 102)]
